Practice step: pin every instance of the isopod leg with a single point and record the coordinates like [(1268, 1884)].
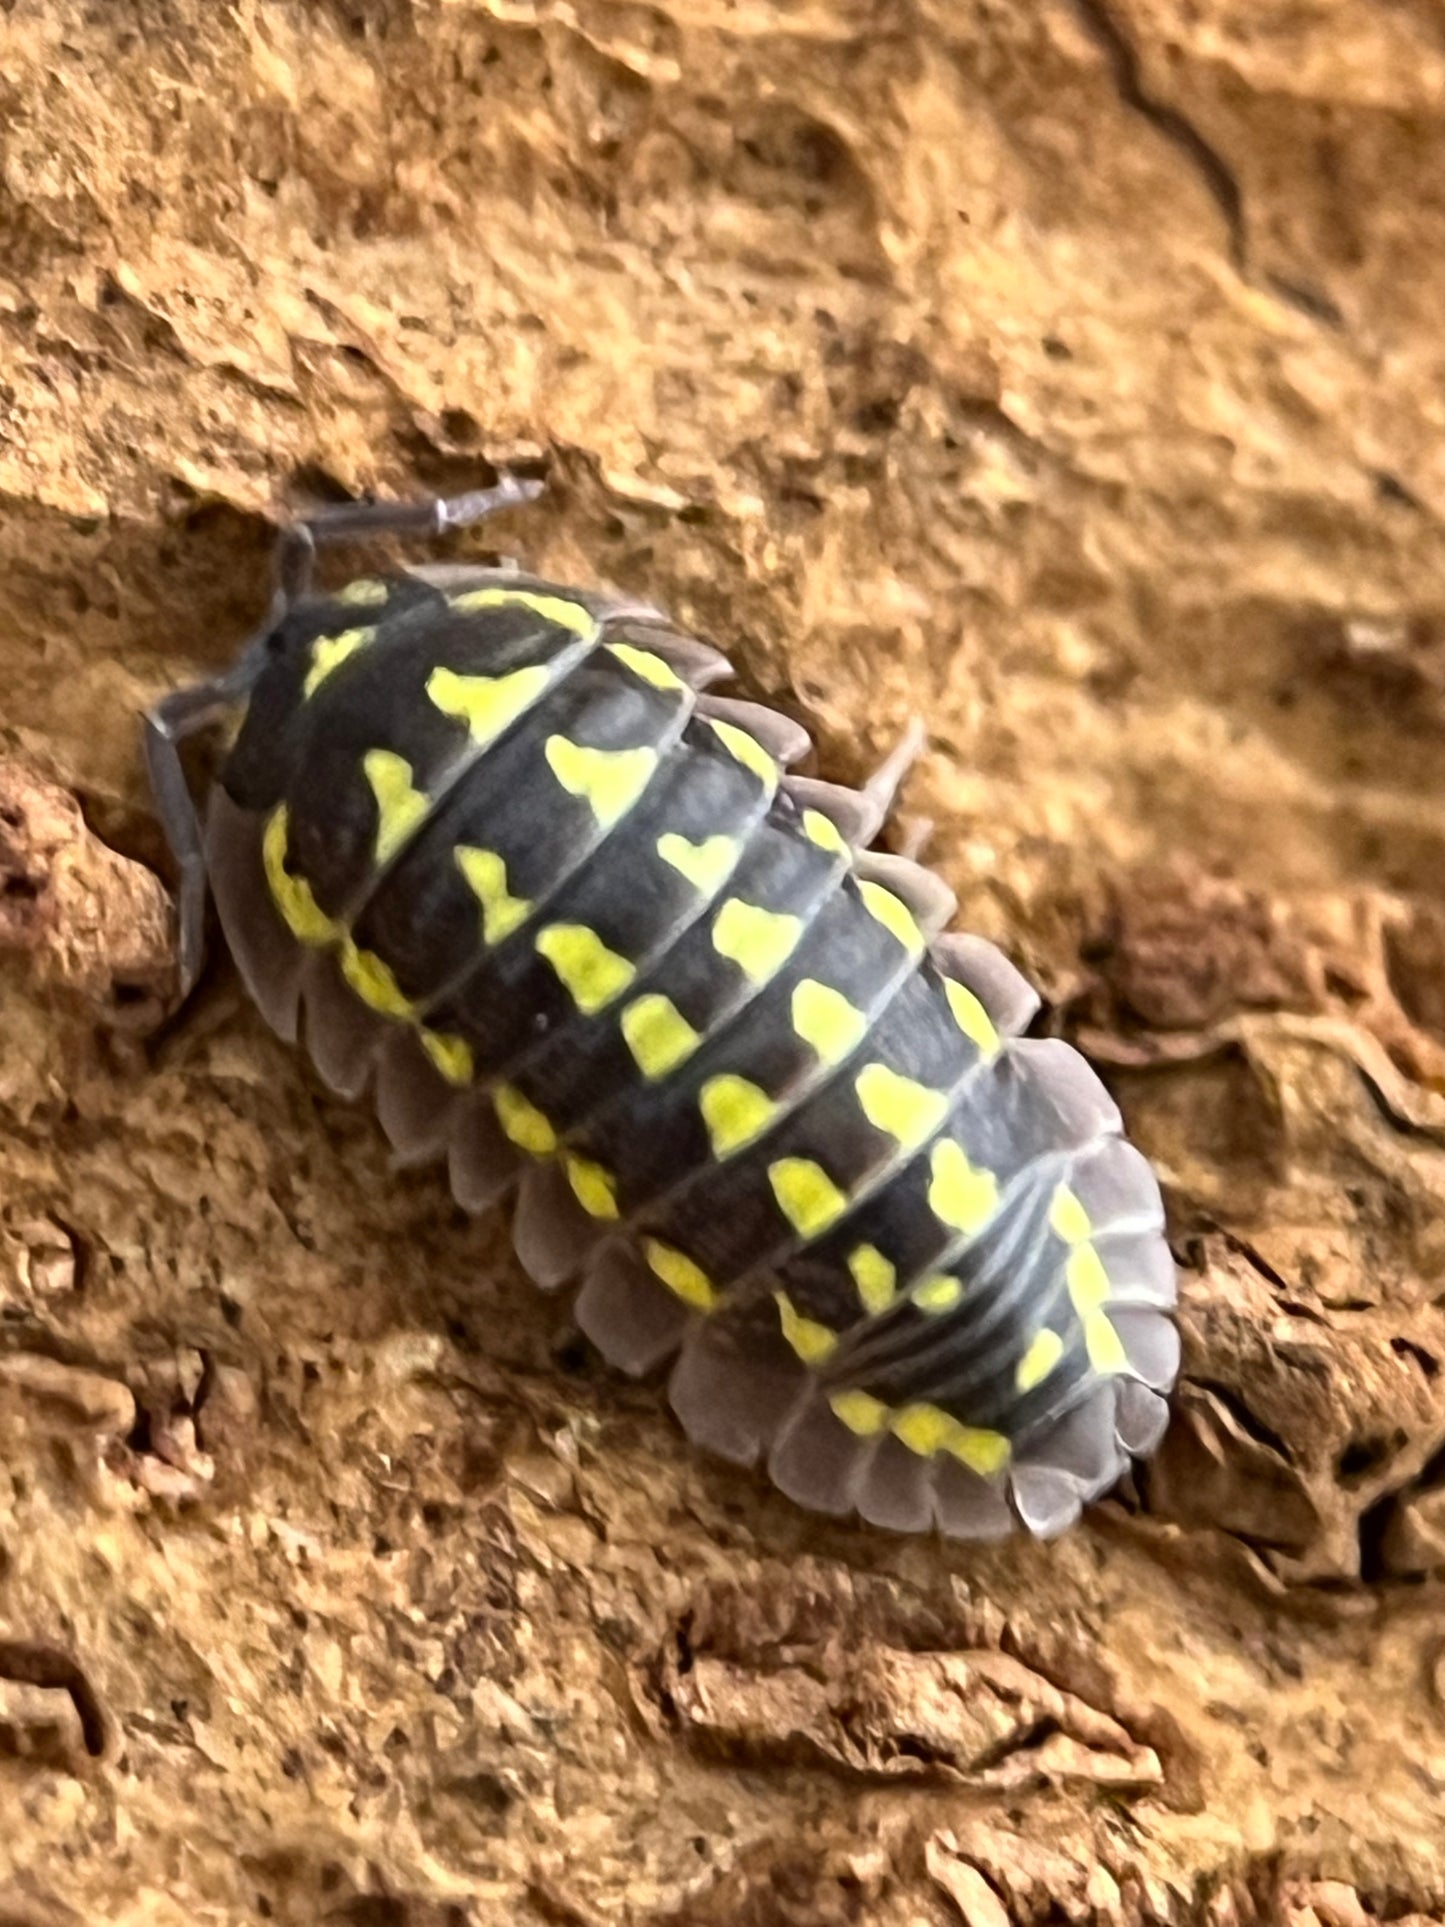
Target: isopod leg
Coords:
[(883, 785), (166, 725)]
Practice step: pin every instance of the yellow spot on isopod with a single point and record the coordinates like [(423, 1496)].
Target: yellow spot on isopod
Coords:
[(937, 1294), (982, 1451), (1084, 1274), (609, 781), (451, 1055), (301, 913), (551, 608), (1067, 1217), (365, 593), (924, 1429), (658, 1035), (522, 1122), (823, 831), (486, 876), (747, 750), (893, 913), (1087, 1280), (400, 806), (1043, 1353), (329, 652), (595, 1189), (706, 865), (812, 1342), (906, 1110), (927, 1430), (373, 982), (592, 974), (734, 1111), (806, 1195), (971, 1017), (642, 662), (826, 1021), (875, 1277), (864, 1415), (1104, 1345), (486, 704), (961, 1195), (689, 1281), (758, 941)]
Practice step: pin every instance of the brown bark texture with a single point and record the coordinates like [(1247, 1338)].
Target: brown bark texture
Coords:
[(1068, 374)]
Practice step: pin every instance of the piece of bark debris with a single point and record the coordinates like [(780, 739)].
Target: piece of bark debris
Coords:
[(88, 920), (1212, 1471), (965, 1886), (40, 1725), (74, 1395), (978, 1717), (1413, 1538), (38, 1261), (1182, 950)]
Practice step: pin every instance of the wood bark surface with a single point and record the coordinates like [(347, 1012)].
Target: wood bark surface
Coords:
[(1070, 375)]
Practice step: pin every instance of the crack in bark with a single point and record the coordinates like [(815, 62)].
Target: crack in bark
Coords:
[(1181, 133), (1218, 177), (34, 1663)]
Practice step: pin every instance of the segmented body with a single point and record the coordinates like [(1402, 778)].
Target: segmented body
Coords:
[(487, 843)]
